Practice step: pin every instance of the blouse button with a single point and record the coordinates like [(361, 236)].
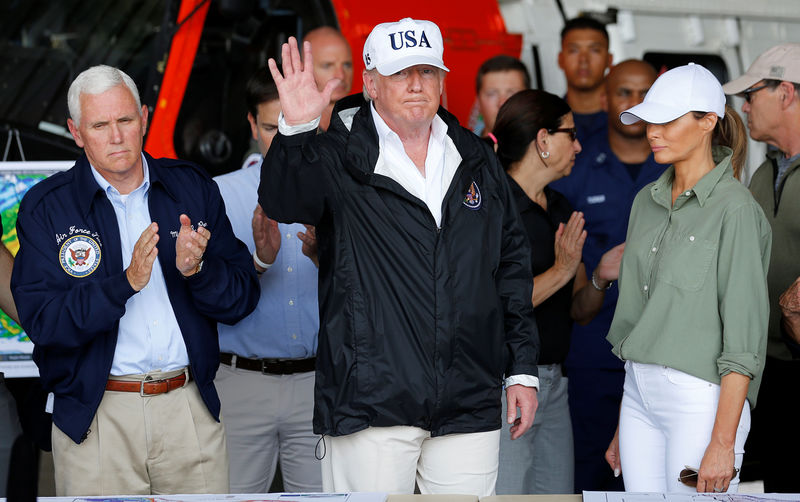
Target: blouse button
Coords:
[(691, 238)]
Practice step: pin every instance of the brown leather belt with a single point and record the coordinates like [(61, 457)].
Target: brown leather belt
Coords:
[(270, 366), (149, 387)]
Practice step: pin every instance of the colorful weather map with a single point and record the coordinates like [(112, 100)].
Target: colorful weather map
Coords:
[(15, 346)]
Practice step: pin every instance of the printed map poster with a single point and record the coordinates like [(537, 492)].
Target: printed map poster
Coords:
[(16, 178)]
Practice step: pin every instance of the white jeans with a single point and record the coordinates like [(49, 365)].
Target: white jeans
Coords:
[(388, 459), (665, 423)]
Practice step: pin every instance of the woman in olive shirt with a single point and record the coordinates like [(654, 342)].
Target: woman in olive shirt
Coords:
[(691, 320), (535, 134)]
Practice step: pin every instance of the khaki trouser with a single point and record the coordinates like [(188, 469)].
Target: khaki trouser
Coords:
[(162, 444)]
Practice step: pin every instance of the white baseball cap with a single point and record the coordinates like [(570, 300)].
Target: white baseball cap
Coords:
[(781, 62), (689, 88), (392, 47)]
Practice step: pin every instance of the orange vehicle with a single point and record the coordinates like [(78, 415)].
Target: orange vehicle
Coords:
[(191, 59)]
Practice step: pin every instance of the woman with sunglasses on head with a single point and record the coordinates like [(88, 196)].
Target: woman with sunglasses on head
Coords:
[(535, 141), (691, 320)]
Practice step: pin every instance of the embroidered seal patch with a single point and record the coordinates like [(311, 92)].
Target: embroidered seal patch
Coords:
[(79, 256), (472, 199)]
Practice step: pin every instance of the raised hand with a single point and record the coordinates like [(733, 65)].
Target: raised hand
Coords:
[(266, 236), (190, 246), (569, 244), (309, 238), (142, 259), (301, 101)]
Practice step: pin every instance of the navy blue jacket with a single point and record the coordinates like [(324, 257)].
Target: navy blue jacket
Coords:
[(601, 187), (73, 321)]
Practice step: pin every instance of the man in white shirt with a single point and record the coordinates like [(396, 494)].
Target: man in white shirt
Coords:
[(425, 280)]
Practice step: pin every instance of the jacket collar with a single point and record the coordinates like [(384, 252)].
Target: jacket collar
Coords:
[(352, 120)]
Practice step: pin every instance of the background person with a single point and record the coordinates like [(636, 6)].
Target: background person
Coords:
[(120, 283), (536, 144), (692, 314), (771, 89), (608, 174), (425, 284), (584, 59), (266, 379), (498, 79), (333, 60)]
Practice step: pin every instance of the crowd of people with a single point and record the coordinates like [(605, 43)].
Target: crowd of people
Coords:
[(578, 295)]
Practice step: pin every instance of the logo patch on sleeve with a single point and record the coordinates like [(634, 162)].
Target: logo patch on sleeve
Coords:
[(472, 199), (79, 256)]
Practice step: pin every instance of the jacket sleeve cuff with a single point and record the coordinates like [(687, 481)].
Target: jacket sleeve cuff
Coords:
[(291, 130), (200, 278), (744, 363), (119, 289), (524, 380)]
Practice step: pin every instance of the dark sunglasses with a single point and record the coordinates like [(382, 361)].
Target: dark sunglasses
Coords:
[(746, 94), (572, 131), (688, 476)]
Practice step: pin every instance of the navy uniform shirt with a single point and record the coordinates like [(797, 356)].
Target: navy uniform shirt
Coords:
[(591, 125), (552, 315), (603, 189)]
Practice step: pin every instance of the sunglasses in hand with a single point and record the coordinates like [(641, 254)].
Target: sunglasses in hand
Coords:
[(688, 476)]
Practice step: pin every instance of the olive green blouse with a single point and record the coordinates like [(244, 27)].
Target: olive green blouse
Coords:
[(693, 287)]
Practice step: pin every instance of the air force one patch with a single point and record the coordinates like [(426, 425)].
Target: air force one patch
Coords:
[(79, 256), (472, 199)]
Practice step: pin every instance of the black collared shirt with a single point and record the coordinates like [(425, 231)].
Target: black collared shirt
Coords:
[(552, 315)]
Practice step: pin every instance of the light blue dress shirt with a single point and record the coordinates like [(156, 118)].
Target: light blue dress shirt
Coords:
[(149, 337), (286, 321)]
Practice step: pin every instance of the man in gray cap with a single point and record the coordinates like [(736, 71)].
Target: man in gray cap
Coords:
[(424, 272), (771, 90)]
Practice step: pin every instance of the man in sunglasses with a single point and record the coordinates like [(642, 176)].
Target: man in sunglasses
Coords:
[(608, 174), (771, 90)]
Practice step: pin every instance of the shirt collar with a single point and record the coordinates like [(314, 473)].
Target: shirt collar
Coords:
[(109, 190), (438, 128), (777, 155), (722, 158), (661, 191)]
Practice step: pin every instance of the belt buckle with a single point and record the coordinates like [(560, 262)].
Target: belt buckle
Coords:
[(264, 367), (142, 393)]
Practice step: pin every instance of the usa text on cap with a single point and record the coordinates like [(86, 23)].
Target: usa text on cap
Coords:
[(392, 47)]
